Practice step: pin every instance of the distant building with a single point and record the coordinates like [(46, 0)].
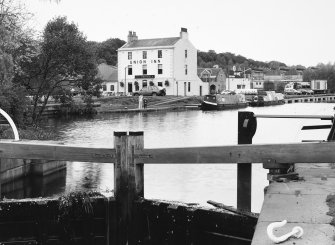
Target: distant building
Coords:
[(238, 80), (109, 76), (234, 83), (276, 79), (257, 77), (319, 85), (215, 77), (167, 62)]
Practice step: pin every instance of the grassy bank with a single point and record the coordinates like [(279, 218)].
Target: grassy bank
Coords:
[(131, 102)]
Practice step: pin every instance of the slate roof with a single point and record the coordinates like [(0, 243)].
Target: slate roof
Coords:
[(107, 73), (212, 71), (143, 43)]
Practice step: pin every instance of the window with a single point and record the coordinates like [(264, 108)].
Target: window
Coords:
[(238, 86), (185, 53), (185, 69), (144, 54), (130, 70), (144, 69), (130, 55), (189, 86), (160, 69), (144, 83), (160, 54), (104, 87), (160, 84), (112, 88)]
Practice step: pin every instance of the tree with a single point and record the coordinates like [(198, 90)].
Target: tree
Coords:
[(12, 36), (64, 59), (107, 50), (12, 18)]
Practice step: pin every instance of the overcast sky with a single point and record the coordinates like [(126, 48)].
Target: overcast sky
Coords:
[(291, 31)]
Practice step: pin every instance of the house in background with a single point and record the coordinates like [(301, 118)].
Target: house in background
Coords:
[(257, 77), (109, 76), (238, 79), (167, 62), (215, 77)]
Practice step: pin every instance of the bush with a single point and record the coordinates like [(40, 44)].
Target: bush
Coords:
[(14, 101), (29, 133)]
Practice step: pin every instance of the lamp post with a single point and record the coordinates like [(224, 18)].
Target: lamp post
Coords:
[(125, 80)]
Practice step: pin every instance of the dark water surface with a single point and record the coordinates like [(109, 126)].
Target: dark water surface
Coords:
[(187, 183)]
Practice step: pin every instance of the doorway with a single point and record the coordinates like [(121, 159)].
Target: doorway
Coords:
[(130, 87), (184, 88), (212, 89)]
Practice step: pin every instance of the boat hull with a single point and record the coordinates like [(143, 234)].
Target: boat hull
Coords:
[(216, 107), (266, 103)]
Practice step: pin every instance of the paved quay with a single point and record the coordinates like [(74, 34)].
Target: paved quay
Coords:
[(301, 203)]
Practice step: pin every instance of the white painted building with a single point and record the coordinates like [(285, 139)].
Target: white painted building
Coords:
[(167, 62), (108, 74), (234, 83)]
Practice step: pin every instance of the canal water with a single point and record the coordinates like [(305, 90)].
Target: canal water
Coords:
[(190, 183)]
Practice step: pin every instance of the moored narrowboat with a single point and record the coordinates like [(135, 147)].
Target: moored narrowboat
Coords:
[(223, 101), (267, 98)]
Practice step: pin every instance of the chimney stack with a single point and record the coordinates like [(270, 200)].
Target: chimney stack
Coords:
[(135, 38), (183, 33), (132, 37)]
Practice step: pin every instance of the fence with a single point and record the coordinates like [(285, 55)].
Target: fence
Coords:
[(129, 158)]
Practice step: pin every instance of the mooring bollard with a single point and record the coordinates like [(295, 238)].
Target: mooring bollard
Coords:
[(247, 125)]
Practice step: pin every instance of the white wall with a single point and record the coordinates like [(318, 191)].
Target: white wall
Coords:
[(258, 84), (152, 62), (179, 69), (319, 84), (108, 87), (233, 82), (173, 61)]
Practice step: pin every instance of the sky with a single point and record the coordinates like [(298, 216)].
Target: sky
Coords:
[(295, 32)]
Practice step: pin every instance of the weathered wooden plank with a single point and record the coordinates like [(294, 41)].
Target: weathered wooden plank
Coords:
[(121, 186), (322, 152), (258, 153), (138, 140), (47, 151)]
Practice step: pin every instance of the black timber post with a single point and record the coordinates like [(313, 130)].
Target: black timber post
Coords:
[(331, 136), (247, 125)]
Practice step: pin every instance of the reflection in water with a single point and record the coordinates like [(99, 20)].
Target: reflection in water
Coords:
[(188, 182), (35, 186)]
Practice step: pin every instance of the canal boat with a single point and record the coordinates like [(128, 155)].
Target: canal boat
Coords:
[(267, 98), (223, 101)]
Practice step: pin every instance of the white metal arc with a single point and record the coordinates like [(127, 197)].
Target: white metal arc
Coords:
[(12, 124)]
